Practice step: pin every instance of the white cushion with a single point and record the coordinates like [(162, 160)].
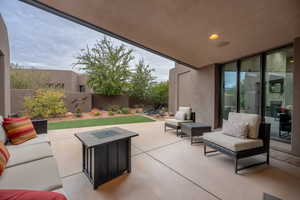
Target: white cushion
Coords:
[(176, 122), (41, 138), (253, 121), (235, 129), (187, 110), (180, 115), (232, 143), (3, 137), (37, 175), (28, 153)]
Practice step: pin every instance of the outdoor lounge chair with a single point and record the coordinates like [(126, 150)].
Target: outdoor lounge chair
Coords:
[(175, 123), (239, 148)]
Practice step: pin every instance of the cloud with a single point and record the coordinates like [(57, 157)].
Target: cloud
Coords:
[(43, 40)]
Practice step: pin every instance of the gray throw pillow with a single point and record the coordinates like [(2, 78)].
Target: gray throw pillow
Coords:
[(180, 115), (235, 129)]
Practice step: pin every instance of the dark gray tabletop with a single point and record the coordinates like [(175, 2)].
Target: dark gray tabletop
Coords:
[(196, 125), (98, 137)]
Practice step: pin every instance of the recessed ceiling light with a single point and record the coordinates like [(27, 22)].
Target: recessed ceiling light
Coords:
[(213, 36)]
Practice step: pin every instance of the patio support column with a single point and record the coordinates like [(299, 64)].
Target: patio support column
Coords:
[(4, 71), (296, 106)]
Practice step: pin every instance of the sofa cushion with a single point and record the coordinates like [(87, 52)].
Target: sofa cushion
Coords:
[(28, 153), (235, 129), (4, 157), (19, 130), (36, 175), (41, 138), (253, 121), (176, 122), (3, 137), (30, 195), (232, 143), (187, 110)]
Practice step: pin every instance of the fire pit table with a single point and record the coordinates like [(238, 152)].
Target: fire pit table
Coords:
[(106, 154)]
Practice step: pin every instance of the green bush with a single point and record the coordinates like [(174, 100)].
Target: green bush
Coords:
[(114, 108), (125, 110), (44, 104), (110, 113), (97, 113), (78, 112)]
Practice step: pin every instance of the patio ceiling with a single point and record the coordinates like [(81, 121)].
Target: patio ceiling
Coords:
[(179, 29)]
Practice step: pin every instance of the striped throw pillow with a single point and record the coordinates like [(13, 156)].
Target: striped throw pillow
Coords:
[(19, 130), (4, 156)]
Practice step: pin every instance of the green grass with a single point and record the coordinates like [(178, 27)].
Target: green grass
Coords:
[(98, 122)]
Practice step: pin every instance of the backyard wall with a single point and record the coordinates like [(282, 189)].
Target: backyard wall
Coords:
[(198, 89), (103, 102), (4, 70), (17, 100)]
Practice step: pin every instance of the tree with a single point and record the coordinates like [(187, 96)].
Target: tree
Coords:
[(44, 103), (141, 81), (28, 79), (107, 67), (159, 94)]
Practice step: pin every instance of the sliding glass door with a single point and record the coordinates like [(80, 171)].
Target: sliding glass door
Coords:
[(229, 91), (250, 85), (279, 93), (242, 89)]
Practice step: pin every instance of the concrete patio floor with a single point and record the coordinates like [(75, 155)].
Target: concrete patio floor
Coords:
[(168, 167)]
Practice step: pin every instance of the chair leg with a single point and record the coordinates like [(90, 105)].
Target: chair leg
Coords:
[(268, 158), (165, 128), (236, 165), (204, 149)]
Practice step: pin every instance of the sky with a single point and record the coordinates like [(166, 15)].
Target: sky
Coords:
[(45, 41)]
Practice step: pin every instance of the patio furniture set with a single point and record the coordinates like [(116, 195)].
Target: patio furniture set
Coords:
[(243, 135)]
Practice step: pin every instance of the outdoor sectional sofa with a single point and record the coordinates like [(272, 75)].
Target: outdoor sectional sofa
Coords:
[(239, 148), (31, 165)]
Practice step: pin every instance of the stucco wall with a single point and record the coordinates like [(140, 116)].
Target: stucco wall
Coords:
[(4, 70), (103, 102), (195, 88), (296, 106), (17, 98)]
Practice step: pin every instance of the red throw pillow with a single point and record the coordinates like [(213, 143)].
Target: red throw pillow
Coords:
[(30, 195), (19, 130), (4, 156)]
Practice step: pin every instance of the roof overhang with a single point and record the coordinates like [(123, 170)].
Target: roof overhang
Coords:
[(179, 29)]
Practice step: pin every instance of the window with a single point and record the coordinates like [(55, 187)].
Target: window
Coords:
[(81, 88)]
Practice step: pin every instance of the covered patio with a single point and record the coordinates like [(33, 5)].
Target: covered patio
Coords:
[(168, 167)]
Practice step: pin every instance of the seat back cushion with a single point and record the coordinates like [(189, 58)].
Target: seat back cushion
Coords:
[(180, 115), (19, 130), (187, 110), (3, 137), (235, 129), (4, 156), (253, 121), (30, 195)]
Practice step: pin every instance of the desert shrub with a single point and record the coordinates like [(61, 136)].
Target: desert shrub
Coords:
[(78, 112), (97, 113), (114, 108), (110, 113), (44, 104), (125, 110)]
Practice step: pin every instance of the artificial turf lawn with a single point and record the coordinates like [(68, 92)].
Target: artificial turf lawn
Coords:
[(98, 122)]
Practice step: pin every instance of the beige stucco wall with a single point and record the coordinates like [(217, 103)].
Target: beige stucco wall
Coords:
[(296, 106), (4, 70), (195, 88)]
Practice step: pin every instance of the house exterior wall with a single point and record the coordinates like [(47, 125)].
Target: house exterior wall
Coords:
[(197, 89), (4, 70), (70, 79)]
